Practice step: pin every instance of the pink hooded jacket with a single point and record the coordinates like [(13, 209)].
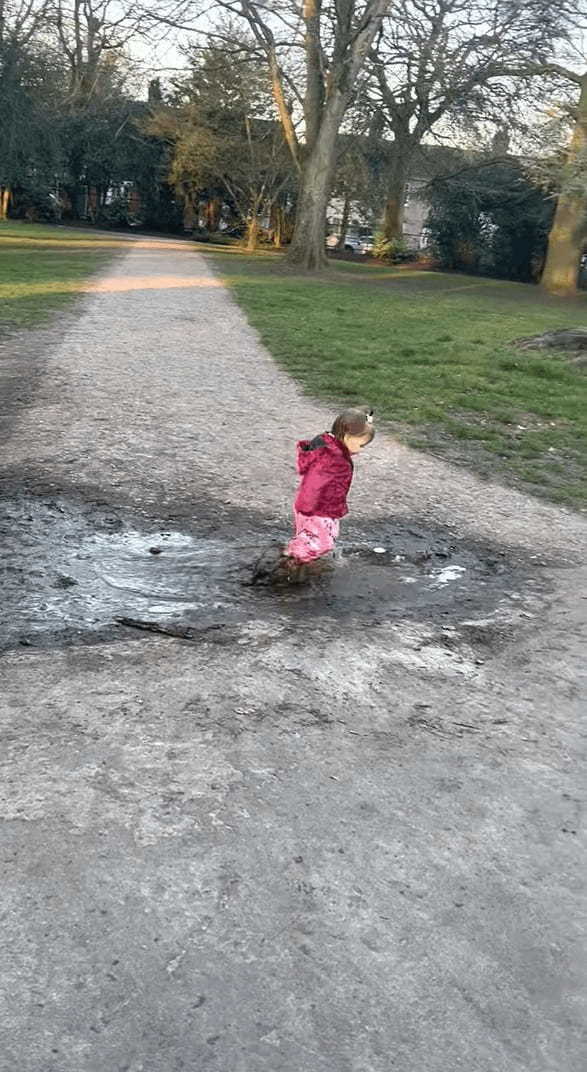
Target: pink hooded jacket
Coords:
[(326, 469)]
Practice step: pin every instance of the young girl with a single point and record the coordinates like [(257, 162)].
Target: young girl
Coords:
[(326, 468)]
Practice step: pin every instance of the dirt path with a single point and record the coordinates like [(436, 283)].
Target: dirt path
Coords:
[(341, 832)]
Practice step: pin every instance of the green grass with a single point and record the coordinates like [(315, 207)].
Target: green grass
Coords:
[(42, 268), (432, 353)]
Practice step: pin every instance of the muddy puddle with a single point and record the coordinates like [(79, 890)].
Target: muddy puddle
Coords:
[(71, 570)]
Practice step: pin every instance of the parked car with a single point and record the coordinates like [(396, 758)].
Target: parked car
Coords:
[(366, 243), (352, 243)]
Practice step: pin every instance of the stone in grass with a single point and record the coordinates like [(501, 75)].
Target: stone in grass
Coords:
[(570, 340)]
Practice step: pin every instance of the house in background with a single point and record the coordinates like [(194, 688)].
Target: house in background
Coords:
[(361, 227), (416, 212), (432, 162)]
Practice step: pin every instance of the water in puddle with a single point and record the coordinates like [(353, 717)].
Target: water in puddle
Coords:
[(58, 578), (69, 573)]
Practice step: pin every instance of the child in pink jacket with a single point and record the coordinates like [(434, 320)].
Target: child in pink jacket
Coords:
[(325, 466)]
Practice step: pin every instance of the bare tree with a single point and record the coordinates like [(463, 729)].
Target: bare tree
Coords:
[(87, 32), (89, 38), (20, 63), (223, 138), (445, 61), (20, 20), (330, 84), (333, 39)]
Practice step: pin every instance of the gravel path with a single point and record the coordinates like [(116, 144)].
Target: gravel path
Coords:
[(168, 397), (309, 842)]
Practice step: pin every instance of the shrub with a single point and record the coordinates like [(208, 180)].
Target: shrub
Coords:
[(117, 214), (490, 220), (391, 250), (35, 203)]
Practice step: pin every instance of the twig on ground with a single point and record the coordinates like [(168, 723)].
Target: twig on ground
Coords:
[(183, 632)]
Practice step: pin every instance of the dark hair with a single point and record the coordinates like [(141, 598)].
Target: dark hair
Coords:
[(354, 422)]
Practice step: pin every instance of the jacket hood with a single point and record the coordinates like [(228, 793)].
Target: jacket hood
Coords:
[(309, 450)]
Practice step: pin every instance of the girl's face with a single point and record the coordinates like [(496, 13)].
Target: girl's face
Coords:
[(355, 443)]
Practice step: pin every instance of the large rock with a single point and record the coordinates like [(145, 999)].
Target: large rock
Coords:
[(572, 340)]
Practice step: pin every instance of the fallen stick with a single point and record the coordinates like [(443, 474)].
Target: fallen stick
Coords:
[(183, 632)]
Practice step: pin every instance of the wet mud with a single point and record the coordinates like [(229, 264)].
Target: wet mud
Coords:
[(72, 570)]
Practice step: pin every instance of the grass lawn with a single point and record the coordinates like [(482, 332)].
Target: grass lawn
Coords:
[(41, 268), (432, 353)]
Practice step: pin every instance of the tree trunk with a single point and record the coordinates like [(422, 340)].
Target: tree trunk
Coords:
[(4, 202), (284, 113), (565, 245), (277, 224), (92, 204), (188, 212), (314, 95), (212, 213), (308, 244), (567, 235), (78, 199), (346, 211), (252, 232), (393, 219), (351, 45)]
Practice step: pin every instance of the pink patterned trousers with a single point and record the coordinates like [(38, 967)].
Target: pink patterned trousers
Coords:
[(315, 537)]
